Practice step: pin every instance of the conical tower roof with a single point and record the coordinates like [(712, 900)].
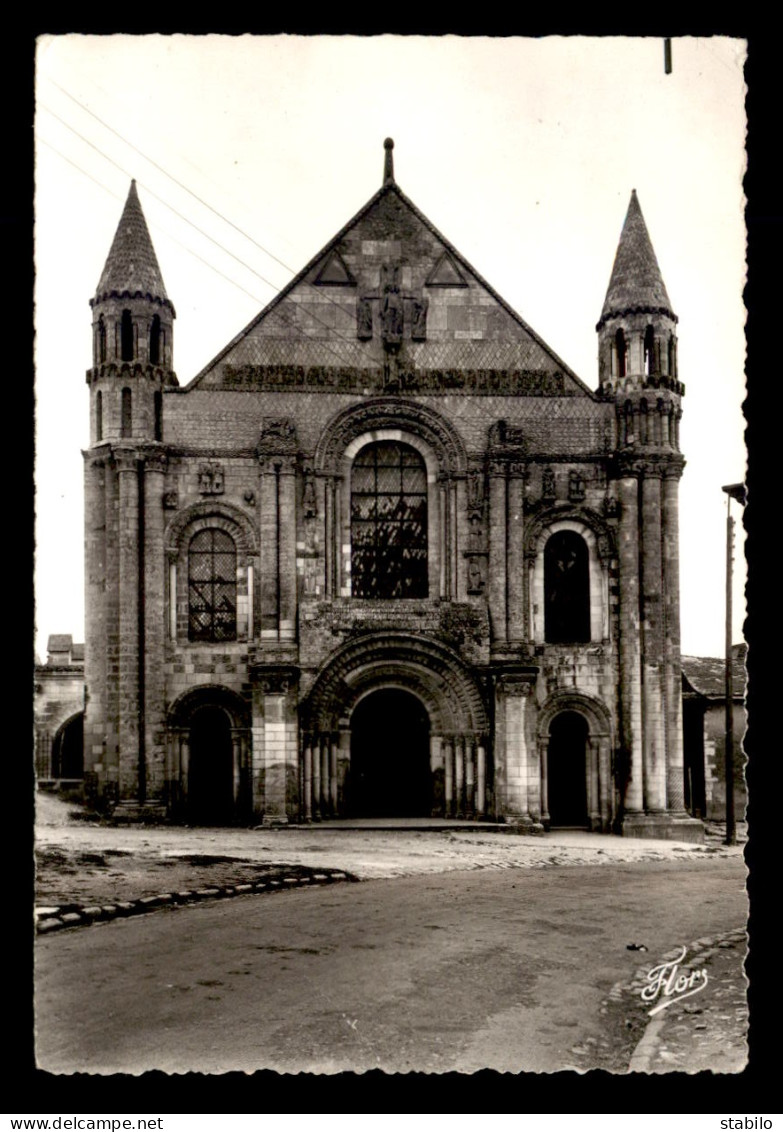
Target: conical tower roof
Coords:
[(636, 283), (132, 266)]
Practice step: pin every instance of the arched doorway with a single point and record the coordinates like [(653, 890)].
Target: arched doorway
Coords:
[(389, 774), (210, 798), (68, 749), (567, 770)]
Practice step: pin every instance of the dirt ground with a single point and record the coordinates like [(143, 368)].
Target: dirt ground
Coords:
[(80, 861)]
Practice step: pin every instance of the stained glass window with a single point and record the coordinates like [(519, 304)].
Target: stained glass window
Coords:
[(389, 522), (212, 587)]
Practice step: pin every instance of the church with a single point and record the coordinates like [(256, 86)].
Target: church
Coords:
[(386, 555)]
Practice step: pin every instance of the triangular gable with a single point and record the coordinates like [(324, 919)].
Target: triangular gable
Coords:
[(298, 330), (445, 273), (334, 273)]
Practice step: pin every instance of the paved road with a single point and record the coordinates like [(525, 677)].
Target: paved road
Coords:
[(502, 969)]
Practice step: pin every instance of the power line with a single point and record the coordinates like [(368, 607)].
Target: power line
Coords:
[(342, 360), (171, 177), (168, 236), (185, 188)]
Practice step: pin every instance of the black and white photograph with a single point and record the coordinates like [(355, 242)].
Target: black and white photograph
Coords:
[(390, 667)]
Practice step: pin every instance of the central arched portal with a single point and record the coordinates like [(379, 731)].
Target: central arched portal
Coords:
[(389, 773), (211, 773)]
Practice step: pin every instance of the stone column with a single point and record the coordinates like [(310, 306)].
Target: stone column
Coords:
[(470, 777), (675, 783), (268, 587), (307, 784), (277, 728), (287, 556), (111, 740), (184, 766), (481, 779), (437, 776), (654, 764), (448, 761), (516, 564), (543, 757), (95, 652), (498, 563), (316, 808), (130, 788), (630, 658), (513, 700), (325, 767), (459, 775), (154, 625)]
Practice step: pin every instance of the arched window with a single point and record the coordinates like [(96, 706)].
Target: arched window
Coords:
[(100, 344), (566, 589), (389, 522), (99, 415), (672, 356), (619, 340), (649, 352), (126, 337), (158, 400), (155, 340), (126, 413), (212, 586)]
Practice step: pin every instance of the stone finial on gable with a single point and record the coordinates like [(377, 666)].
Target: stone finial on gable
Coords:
[(388, 160)]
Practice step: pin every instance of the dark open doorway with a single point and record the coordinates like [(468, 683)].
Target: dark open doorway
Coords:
[(567, 770), (68, 749), (390, 757), (211, 769)]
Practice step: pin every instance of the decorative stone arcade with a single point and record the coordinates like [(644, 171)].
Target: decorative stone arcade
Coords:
[(334, 748)]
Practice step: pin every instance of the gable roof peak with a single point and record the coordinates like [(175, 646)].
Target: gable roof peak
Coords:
[(636, 283), (131, 266)]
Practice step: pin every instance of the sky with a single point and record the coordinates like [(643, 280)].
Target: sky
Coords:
[(251, 152)]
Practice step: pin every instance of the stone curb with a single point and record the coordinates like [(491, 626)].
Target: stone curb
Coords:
[(51, 919), (697, 951)]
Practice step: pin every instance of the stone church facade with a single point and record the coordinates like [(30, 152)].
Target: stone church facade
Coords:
[(386, 555)]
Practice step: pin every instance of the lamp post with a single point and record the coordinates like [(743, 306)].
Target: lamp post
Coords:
[(733, 491)]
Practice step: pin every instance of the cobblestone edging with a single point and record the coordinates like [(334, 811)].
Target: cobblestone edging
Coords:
[(50, 919), (697, 952)]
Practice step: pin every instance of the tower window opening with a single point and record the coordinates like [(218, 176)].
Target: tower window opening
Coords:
[(99, 415), (158, 415), (672, 356), (100, 345), (644, 434), (126, 413), (126, 337), (389, 522), (155, 340), (649, 352), (621, 349)]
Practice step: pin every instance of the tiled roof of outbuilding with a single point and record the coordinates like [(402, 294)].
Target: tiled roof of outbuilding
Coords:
[(132, 267), (707, 675), (636, 283), (59, 642)]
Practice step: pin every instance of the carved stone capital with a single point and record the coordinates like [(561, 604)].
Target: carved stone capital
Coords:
[(275, 680)]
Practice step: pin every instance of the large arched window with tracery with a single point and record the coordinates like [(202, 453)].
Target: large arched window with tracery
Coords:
[(212, 586), (566, 589), (389, 522)]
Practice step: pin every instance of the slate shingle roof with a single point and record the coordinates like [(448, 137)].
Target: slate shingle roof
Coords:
[(132, 266), (636, 283), (707, 675)]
